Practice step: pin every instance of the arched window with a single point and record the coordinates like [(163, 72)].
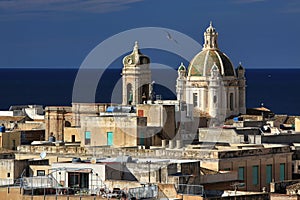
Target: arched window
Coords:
[(67, 124), (215, 99), (129, 93), (231, 101), (195, 99)]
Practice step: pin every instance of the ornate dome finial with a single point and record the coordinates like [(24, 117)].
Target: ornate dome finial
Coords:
[(136, 46)]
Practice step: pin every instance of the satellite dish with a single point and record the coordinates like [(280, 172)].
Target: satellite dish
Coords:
[(43, 155)]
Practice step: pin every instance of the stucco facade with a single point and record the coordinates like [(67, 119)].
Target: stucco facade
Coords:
[(113, 131)]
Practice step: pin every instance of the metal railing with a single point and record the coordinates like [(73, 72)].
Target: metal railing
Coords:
[(148, 191), (190, 189)]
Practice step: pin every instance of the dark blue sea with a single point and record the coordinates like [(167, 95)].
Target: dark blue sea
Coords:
[(277, 89)]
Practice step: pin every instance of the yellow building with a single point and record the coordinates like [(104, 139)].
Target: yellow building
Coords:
[(113, 131)]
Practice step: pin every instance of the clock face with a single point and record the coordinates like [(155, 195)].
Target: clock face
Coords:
[(129, 61)]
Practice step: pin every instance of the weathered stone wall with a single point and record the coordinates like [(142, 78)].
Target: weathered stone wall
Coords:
[(55, 121), (70, 132), (12, 167), (10, 140)]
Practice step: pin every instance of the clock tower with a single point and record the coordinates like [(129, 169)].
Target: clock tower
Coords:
[(136, 77)]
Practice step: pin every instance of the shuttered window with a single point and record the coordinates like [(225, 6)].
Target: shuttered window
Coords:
[(269, 174), (255, 175)]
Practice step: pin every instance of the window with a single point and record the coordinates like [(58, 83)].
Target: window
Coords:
[(40, 172), (231, 101), (215, 99), (110, 138), (14, 145), (129, 94), (73, 139), (255, 175), (87, 138), (8, 175), (241, 173), (268, 174), (78, 180), (142, 139), (282, 172), (195, 99)]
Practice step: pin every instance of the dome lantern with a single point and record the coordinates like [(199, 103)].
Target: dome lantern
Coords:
[(210, 38), (202, 63)]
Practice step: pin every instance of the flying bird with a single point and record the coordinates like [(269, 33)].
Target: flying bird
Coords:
[(169, 36)]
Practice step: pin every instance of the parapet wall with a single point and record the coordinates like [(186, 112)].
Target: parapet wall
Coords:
[(158, 152)]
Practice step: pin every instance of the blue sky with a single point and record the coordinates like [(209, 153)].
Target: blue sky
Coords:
[(61, 33)]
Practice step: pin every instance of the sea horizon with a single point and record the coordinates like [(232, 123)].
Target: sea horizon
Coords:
[(274, 88)]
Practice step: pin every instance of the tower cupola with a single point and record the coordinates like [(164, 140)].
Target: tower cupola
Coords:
[(210, 38)]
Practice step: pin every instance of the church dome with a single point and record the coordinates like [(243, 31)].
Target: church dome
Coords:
[(136, 57), (202, 63)]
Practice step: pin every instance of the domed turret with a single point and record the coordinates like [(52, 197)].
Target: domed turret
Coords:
[(240, 71), (181, 83), (181, 68), (136, 57)]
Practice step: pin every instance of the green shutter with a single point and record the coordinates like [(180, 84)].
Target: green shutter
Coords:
[(269, 174), (241, 173), (110, 137), (87, 137), (255, 175), (282, 172), (142, 139)]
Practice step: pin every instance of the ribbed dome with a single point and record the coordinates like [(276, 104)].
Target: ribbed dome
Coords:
[(202, 63), (210, 55)]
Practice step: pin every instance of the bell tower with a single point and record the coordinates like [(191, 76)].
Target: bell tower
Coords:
[(136, 77)]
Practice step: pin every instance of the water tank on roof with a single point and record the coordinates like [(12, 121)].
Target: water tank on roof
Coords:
[(51, 139), (76, 160), (236, 119), (2, 129), (110, 109)]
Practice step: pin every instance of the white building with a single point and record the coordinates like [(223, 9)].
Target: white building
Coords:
[(211, 85)]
